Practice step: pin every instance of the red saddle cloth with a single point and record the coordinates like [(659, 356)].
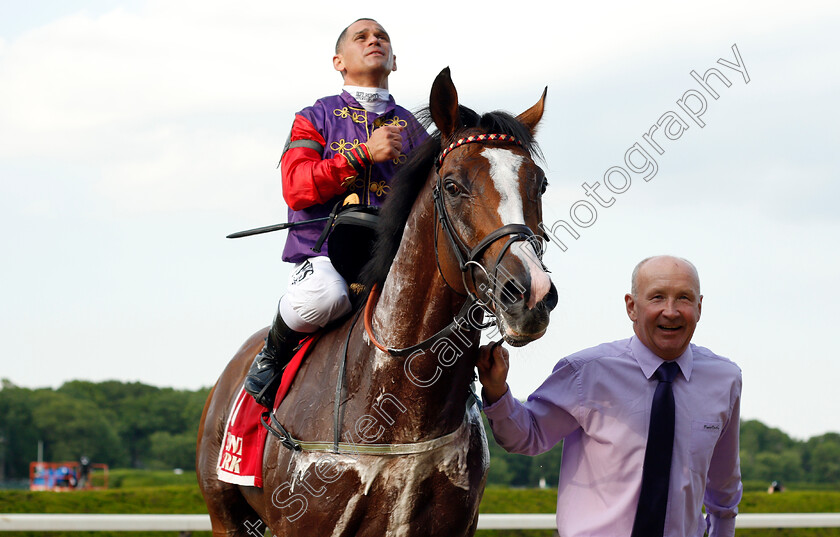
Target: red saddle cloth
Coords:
[(241, 454)]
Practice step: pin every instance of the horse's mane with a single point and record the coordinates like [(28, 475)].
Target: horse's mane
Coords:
[(411, 177)]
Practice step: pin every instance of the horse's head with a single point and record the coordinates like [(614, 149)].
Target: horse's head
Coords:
[(488, 201)]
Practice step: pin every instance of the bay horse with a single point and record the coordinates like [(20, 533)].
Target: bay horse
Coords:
[(378, 435)]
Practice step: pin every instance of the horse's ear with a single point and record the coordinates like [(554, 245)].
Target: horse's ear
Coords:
[(532, 116), (443, 104)]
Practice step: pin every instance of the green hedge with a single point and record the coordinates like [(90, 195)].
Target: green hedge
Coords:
[(128, 478), (170, 499)]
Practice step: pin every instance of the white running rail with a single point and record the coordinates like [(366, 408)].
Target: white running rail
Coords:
[(88, 522)]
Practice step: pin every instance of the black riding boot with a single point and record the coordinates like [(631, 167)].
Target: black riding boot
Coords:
[(269, 364)]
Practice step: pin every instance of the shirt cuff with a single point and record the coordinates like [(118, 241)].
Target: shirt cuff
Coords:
[(721, 527), (502, 407), (359, 157)]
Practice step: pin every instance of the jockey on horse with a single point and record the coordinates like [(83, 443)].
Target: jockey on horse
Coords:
[(406, 454), (351, 142)]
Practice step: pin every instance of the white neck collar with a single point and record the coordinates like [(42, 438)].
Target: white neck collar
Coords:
[(372, 99)]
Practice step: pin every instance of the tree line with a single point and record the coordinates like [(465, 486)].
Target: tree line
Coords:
[(134, 425), (121, 424)]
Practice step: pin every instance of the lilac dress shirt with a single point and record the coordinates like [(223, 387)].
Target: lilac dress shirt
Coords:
[(598, 400)]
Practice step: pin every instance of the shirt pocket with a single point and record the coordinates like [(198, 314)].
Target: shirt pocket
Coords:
[(704, 437)]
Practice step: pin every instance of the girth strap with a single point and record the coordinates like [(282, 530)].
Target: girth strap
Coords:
[(350, 448)]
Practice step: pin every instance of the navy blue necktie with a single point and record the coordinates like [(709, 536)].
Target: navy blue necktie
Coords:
[(650, 513)]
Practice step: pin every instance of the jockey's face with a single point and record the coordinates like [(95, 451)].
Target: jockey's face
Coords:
[(364, 56)]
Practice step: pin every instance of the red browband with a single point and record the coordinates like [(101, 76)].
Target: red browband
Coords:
[(477, 138)]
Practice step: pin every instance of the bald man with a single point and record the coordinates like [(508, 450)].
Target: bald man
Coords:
[(599, 402)]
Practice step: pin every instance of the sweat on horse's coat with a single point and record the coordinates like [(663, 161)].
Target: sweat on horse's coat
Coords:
[(437, 492)]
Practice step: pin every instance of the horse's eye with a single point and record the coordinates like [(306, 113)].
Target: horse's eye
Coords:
[(452, 188), (537, 187)]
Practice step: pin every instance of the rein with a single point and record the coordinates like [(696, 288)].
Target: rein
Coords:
[(457, 324), (273, 425), (467, 257)]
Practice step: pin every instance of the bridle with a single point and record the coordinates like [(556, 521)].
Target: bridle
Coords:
[(467, 258)]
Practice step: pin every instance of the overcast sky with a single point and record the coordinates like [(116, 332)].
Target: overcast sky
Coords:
[(135, 135)]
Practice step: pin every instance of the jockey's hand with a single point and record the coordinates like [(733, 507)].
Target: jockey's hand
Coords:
[(493, 368), (385, 143)]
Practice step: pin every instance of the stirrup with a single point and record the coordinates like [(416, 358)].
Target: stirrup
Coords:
[(265, 397)]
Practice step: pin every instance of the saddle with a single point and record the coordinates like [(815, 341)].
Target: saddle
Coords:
[(351, 230)]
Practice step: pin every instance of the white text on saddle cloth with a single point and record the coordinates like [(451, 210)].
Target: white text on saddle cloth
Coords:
[(232, 454)]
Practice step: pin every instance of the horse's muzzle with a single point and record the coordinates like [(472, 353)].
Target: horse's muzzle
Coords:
[(520, 324)]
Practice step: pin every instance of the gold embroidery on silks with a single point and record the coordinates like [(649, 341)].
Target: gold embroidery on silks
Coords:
[(351, 113), (380, 189), (358, 182), (391, 122), (342, 146), (353, 183)]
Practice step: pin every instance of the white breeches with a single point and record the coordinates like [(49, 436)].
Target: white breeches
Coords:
[(317, 294)]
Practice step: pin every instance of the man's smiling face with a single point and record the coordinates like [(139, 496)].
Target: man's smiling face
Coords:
[(665, 305)]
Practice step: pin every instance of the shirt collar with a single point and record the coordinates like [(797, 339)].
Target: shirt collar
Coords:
[(650, 362), (351, 101)]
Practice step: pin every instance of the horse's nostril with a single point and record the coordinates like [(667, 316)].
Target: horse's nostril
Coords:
[(512, 293)]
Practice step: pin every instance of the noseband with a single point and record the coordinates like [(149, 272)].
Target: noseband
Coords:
[(469, 257)]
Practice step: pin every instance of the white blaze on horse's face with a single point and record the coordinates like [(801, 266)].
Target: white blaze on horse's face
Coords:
[(504, 170)]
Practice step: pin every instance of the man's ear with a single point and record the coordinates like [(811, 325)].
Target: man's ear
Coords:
[(338, 63), (393, 63), (630, 304)]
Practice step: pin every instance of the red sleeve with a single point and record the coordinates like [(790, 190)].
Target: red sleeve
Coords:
[(307, 178)]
